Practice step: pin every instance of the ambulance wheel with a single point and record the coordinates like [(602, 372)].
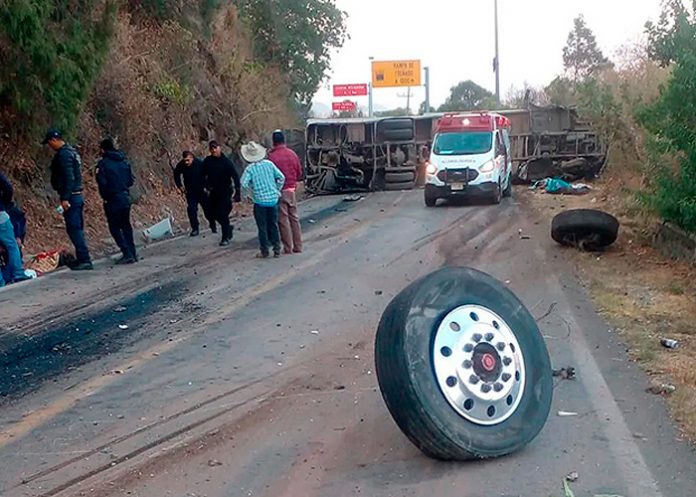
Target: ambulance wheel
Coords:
[(507, 193)]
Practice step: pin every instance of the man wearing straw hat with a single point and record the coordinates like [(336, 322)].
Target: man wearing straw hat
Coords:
[(262, 181)]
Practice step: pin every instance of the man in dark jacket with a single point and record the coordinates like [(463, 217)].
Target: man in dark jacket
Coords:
[(114, 178), (191, 169), (66, 179), (218, 174)]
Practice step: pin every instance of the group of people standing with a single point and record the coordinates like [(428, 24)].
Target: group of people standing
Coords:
[(269, 181)]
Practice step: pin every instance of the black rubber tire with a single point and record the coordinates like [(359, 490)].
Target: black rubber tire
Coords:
[(406, 185), (587, 229), (402, 177), (396, 135), (507, 193), (405, 370), (430, 201), (394, 124)]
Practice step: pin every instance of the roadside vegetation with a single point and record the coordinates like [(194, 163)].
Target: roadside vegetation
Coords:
[(159, 76)]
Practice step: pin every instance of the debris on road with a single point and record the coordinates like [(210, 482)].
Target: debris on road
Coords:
[(120, 309), (572, 476), (663, 389), (567, 373), (566, 488), (379, 292), (314, 332), (122, 326), (669, 343), (117, 371), (159, 230), (312, 221), (353, 198), (567, 414), (213, 463)]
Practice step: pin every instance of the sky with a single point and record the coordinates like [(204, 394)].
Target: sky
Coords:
[(455, 38)]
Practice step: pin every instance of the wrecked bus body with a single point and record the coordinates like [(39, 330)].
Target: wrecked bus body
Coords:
[(364, 154)]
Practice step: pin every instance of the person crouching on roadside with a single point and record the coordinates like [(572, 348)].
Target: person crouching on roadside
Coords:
[(12, 269), (262, 181), (114, 178)]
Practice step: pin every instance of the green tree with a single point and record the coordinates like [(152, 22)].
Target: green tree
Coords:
[(671, 33), (467, 95), (51, 56), (297, 36), (671, 121), (582, 58), (560, 92)]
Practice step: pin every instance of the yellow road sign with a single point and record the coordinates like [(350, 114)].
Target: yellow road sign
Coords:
[(393, 73)]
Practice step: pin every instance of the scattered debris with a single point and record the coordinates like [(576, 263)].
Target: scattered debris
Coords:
[(214, 462), (312, 221), (640, 436), (340, 387), (586, 229), (353, 198), (117, 371), (566, 488), (379, 292), (314, 332), (120, 308), (669, 343), (159, 230), (664, 389), (122, 326), (567, 373), (567, 414), (572, 477)]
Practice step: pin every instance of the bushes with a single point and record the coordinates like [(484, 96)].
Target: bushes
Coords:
[(51, 57)]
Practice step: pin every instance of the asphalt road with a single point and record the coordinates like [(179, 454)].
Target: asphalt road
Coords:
[(241, 377)]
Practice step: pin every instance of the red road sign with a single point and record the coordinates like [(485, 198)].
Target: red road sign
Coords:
[(356, 90), (345, 106)]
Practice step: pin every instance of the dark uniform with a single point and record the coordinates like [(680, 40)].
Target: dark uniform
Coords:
[(195, 192), (114, 178), (66, 179), (218, 175)]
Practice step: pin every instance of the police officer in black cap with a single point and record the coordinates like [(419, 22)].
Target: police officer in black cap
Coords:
[(115, 178), (66, 179)]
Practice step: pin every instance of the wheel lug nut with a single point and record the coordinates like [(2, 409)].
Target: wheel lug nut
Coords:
[(477, 337), (498, 387), (500, 346), (473, 379), (490, 337), (468, 348), (467, 364), (507, 361), (485, 388), (506, 377)]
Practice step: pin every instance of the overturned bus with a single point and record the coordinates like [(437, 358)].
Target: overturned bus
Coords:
[(365, 154)]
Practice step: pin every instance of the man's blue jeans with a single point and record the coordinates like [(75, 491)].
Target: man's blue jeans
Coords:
[(14, 269)]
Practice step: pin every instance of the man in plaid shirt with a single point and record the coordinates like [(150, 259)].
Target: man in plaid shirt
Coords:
[(262, 181)]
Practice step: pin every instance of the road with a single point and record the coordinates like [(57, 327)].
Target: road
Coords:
[(241, 377)]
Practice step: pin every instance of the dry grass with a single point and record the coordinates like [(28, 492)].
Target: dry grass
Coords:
[(644, 296)]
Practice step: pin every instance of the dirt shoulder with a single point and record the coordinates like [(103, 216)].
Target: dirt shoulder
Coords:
[(642, 294)]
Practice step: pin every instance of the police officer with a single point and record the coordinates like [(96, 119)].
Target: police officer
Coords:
[(66, 179), (114, 178), (191, 169), (218, 174)]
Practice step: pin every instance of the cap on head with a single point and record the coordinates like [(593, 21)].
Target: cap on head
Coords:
[(213, 144), (278, 137), (51, 133), (107, 145)]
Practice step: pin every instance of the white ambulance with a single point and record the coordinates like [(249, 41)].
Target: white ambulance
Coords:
[(470, 157)]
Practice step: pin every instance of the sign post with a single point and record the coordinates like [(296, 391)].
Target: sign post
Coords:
[(353, 90), (345, 106)]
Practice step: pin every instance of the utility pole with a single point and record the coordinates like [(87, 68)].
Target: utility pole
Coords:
[(407, 96), (496, 62), (427, 90), (370, 110)]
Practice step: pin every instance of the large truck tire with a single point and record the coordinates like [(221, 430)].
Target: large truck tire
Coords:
[(395, 124), (462, 366), (397, 135), (507, 193), (406, 185), (400, 177), (586, 229)]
